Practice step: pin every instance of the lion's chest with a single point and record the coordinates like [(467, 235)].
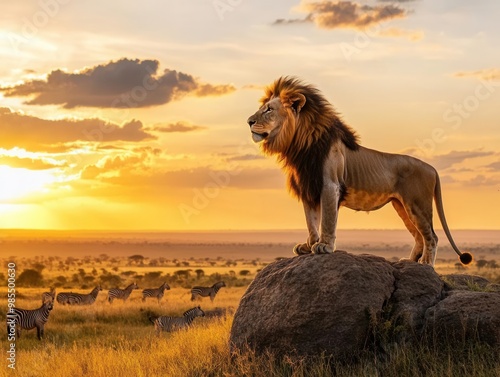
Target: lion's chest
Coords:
[(360, 200)]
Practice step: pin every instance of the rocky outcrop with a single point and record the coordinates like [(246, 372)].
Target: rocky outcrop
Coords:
[(337, 303)]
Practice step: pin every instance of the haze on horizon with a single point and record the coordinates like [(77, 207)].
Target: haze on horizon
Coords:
[(127, 116)]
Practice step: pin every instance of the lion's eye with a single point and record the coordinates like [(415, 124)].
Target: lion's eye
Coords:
[(268, 110)]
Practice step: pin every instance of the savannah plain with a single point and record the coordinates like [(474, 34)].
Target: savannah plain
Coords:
[(108, 340)]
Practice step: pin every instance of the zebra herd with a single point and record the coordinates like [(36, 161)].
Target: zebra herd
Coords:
[(18, 318)]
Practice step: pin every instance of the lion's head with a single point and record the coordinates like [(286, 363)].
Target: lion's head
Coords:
[(294, 115), (299, 125)]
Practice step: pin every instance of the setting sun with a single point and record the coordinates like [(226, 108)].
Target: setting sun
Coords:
[(22, 183)]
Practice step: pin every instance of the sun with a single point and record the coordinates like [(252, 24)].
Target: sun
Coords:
[(17, 183)]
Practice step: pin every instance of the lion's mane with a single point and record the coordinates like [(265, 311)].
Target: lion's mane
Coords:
[(303, 145)]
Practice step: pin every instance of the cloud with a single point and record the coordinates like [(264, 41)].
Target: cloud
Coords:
[(494, 166), (445, 161), (412, 35), (345, 14), (479, 180), (124, 83), (37, 134), (138, 161), (246, 157), (201, 177), (27, 163), (483, 74), (178, 127)]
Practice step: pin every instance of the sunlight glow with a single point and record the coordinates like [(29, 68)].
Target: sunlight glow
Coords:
[(18, 183)]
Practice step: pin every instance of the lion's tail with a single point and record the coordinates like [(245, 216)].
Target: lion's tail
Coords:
[(465, 258)]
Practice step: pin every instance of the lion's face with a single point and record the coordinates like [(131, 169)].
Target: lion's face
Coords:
[(275, 121), (267, 122)]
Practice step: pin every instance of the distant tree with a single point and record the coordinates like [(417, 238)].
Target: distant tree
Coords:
[(182, 274), (30, 278), (459, 266), (137, 259), (38, 266), (492, 264), (61, 280), (154, 275), (480, 263), (111, 280), (115, 269), (129, 273), (244, 272), (199, 273)]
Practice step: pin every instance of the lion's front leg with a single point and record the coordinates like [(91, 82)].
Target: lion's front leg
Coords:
[(312, 220), (330, 197)]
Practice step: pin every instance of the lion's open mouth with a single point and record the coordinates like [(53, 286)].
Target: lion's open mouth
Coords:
[(256, 137)]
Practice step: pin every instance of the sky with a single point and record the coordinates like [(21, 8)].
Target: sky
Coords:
[(127, 115)]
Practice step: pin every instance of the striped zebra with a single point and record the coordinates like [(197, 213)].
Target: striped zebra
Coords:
[(197, 292), (62, 298), (71, 298), (176, 323), (219, 313), (46, 296), (121, 294), (29, 319), (155, 292)]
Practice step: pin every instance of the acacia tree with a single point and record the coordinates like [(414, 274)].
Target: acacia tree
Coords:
[(30, 278)]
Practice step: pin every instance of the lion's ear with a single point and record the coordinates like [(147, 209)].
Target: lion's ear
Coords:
[(294, 100)]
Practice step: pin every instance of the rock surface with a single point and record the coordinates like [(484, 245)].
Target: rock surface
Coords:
[(335, 303)]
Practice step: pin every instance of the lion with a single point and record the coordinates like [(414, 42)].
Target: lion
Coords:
[(327, 168)]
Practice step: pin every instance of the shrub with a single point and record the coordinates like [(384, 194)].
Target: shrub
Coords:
[(30, 278)]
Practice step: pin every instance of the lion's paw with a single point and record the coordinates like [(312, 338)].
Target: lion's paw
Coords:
[(427, 259), (302, 249), (321, 248)]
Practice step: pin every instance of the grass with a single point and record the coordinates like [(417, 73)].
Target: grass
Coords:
[(118, 340)]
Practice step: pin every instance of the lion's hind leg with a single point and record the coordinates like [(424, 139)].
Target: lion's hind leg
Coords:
[(418, 247), (421, 217)]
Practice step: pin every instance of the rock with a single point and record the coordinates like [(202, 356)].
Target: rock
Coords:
[(417, 288), (313, 303), (465, 316), (465, 282), (334, 304)]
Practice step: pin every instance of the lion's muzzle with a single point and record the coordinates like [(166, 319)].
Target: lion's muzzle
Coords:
[(258, 133), (256, 137)]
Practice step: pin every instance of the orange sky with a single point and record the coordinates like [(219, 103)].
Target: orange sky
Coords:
[(127, 115)]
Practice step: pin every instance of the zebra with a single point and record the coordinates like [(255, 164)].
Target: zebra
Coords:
[(62, 298), (121, 294), (29, 319), (46, 296), (71, 298), (155, 292), (206, 291), (176, 323), (219, 313)]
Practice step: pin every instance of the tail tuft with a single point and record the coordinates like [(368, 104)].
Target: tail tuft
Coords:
[(466, 258)]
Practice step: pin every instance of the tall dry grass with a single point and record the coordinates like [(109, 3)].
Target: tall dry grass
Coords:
[(117, 340)]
